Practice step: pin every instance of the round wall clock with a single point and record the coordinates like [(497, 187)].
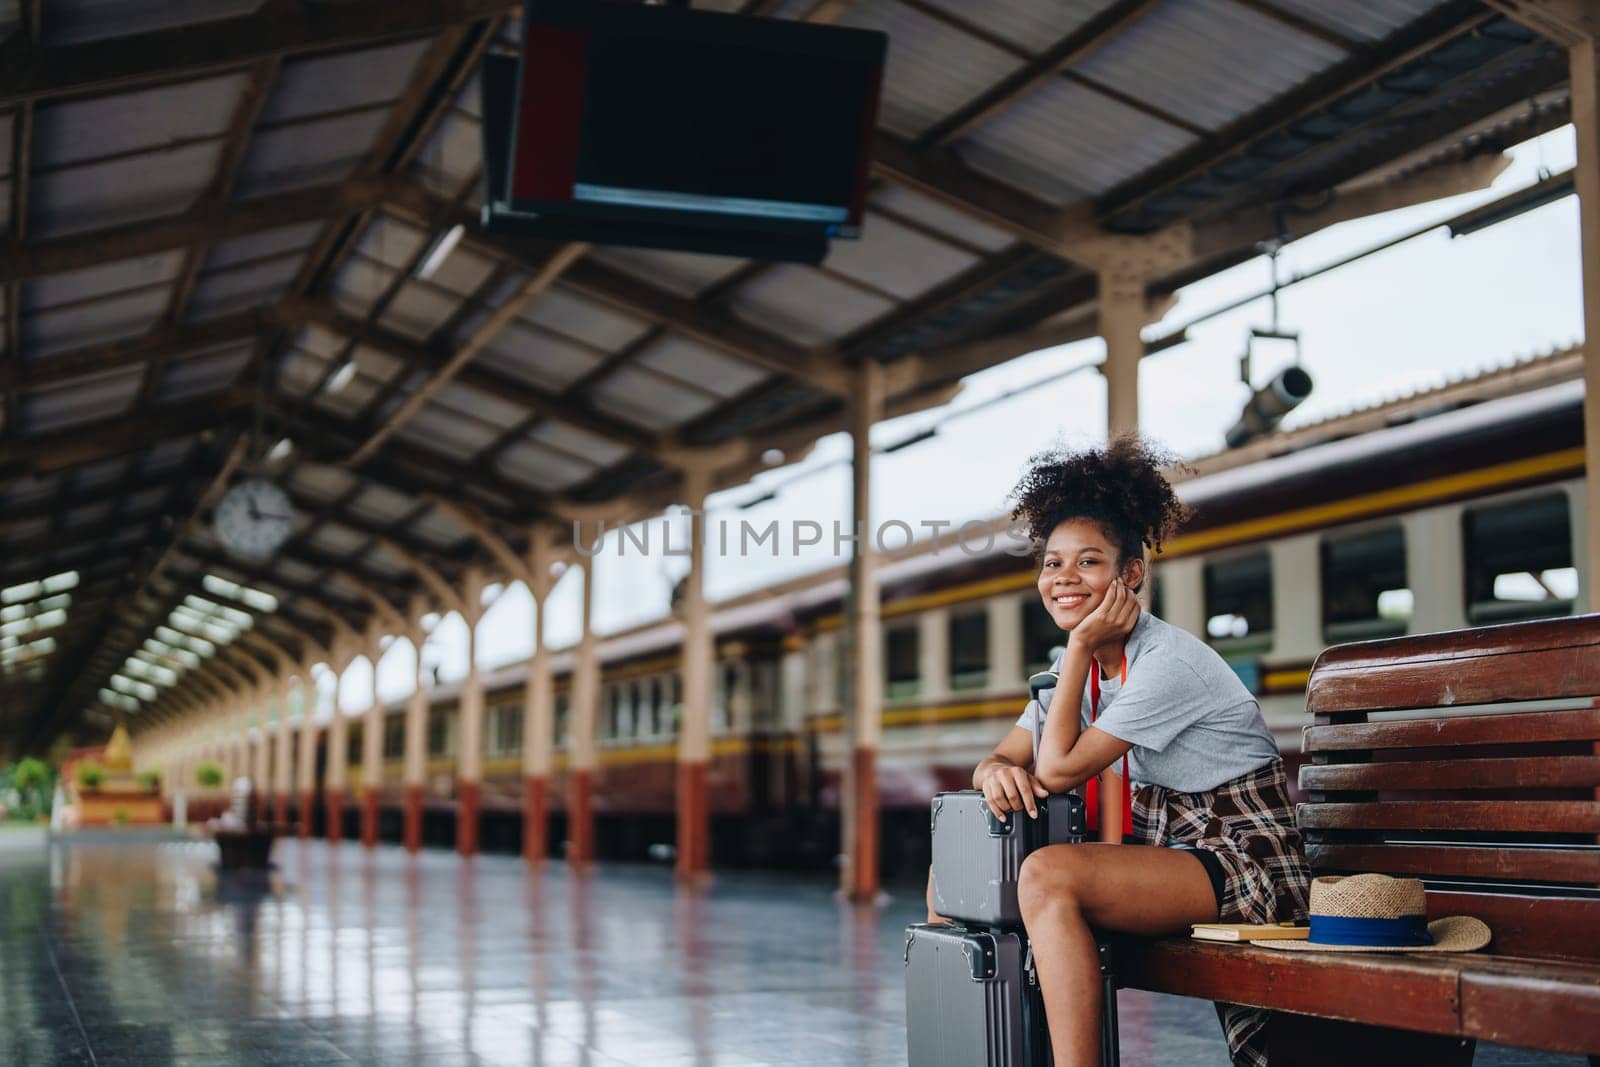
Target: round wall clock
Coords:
[(254, 518)]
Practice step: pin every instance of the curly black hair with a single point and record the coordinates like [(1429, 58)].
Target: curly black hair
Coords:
[(1120, 487)]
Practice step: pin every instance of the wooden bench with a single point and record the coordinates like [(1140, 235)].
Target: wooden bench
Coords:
[(1497, 810)]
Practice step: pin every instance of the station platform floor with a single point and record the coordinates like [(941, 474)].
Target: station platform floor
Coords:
[(130, 950)]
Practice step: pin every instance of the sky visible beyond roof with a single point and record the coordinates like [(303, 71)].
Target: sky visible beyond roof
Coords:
[(1407, 318)]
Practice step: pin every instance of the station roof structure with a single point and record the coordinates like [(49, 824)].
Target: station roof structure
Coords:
[(220, 219)]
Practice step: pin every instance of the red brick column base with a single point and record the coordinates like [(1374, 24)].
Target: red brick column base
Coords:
[(369, 817), (333, 801), (307, 799), (694, 821), (535, 819), (580, 818), (864, 855)]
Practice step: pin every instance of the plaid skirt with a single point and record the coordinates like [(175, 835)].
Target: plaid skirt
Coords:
[(1248, 825)]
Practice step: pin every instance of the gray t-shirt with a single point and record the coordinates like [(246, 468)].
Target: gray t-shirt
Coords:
[(1192, 723)]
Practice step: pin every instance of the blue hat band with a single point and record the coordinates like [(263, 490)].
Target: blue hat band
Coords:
[(1406, 931)]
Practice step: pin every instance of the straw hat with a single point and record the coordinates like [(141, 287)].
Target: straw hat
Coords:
[(1376, 913)]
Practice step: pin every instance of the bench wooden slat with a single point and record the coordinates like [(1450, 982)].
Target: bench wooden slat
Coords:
[(1526, 772), (1556, 928), (1519, 816), (1537, 1005), (1522, 661), (1525, 727), (1444, 861), (1414, 992)]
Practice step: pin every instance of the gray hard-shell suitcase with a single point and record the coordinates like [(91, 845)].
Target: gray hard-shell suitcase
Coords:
[(977, 858), (973, 1000)]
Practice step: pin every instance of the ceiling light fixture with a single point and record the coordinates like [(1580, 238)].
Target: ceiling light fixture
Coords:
[(441, 251)]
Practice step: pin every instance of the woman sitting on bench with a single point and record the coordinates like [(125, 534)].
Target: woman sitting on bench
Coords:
[(1213, 832)]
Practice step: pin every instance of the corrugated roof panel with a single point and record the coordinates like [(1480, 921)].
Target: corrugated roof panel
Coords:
[(933, 68), (390, 241), (1208, 61), (376, 365), (166, 455), (101, 126), (537, 359), (569, 439), (321, 482), (202, 374), (418, 309), (295, 572), (566, 312), (477, 403), (338, 540), (805, 306), (1028, 24), (74, 21), (344, 80), (27, 530), (1368, 20), (350, 401), (145, 500), (452, 156), (381, 504), (104, 320), (308, 153), (299, 373), (462, 272), (1064, 142), (541, 468), (91, 282), (898, 259), (261, 245), (690, 362), (358, 284), (447, 432), (318, 341), (439, 529), (233, 290), (132, 189), (87, 399), (684, 273), (645, 398), (29, 490), (930, 212), (89, 513), (96, 475)]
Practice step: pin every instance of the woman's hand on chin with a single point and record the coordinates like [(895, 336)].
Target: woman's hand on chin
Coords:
[(1111, 621)]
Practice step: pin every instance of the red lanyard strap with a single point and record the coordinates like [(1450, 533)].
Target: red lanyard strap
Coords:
[(1092, 787)]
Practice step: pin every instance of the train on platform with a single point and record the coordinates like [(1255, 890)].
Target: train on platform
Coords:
[(1460, 506)]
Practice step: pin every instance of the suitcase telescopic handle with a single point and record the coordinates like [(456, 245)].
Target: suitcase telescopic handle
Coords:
[(1036, 685)]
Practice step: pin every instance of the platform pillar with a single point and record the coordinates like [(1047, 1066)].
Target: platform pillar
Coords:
[(282, 760), (1584, 60), (469, 749), (538, 707), (372, 749), (697, 667), (307, 761), (262, 792), (581, 744), (333, 788), (416, 749), (1123, 315), (863, 709)]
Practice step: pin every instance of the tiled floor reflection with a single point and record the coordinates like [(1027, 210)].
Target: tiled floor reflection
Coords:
[(135, 952)]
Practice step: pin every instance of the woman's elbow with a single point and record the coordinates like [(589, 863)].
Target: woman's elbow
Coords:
[(1057, 777)]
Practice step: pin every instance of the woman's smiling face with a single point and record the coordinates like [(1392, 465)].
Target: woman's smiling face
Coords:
[(1079, 565)]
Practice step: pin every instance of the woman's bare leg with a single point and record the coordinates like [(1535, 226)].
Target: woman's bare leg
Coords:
[(1067, 889)]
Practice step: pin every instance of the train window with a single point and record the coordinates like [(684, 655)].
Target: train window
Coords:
[(394, 737), (674, 706), (505, 730), (1364, 591), (1519, 560), (723, 704), (613, 710), (969, 649), (1239, 604), (563, 709), (1041, 637), (901, 669), (651, 712), (439, 732)]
